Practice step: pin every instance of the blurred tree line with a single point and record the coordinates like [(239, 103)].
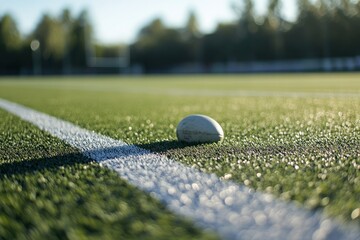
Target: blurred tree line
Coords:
[(62, 44), (323, 29)]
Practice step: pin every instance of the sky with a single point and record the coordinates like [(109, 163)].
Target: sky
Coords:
[(118, 21)]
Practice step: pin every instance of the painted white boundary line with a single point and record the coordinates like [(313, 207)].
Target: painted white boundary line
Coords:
[(233, 211)]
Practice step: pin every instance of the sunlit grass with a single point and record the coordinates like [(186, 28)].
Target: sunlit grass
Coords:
[(48, 190), (304, 149)]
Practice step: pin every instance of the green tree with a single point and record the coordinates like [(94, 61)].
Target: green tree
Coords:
[(10, 38), (50, 34), (343, 39), (247, 30), (10, 45), (274, 24), (304, 39), (67, 21), (158, 47), (80, 43), (193, 37), (155, 28), (192, 26), (222, 45)]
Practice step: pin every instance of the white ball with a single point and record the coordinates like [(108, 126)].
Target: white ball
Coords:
[(199, 129)]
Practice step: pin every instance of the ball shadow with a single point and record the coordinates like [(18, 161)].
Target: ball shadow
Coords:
[(164, 146)]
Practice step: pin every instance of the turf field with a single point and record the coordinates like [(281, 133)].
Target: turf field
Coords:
[(294, 136)]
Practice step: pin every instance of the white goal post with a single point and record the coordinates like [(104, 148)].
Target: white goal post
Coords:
[(121, 61)]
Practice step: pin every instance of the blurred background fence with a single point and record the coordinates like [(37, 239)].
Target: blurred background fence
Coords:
[(325, 36)]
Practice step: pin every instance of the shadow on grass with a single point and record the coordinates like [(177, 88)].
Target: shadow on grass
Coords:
[(102, 154), (164, 146), (161, 147), (210, 150), (40, 164)]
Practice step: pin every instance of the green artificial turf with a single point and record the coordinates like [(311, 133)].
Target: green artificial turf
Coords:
[(301, 148), (48, 190)]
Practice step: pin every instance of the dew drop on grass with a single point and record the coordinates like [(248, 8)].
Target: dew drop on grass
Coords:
[(247, 182), (355, 214)]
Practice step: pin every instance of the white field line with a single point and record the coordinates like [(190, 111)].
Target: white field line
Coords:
[(233, 211), (187, 92)]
